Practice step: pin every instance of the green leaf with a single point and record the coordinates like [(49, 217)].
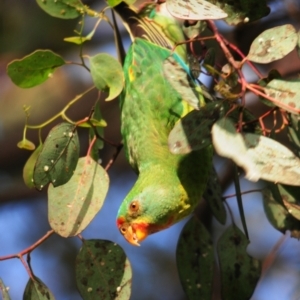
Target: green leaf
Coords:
[(273, 44), (192, 132), (37, 290), (26, 144), (29, 167), (213, 196), (277, 214), (58, 158), (103, 271), (239, 271), (34, 68), (72, 206), (4, 291), (290, 198), (107, 74), (259, 156), (63, 9), (287, 94), (242, 11), (195, 260), (99, 144)]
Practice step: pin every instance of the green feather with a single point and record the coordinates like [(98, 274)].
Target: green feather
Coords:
[(169, 186)]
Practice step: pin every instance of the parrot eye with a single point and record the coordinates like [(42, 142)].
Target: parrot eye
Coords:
[(134, 206), (123, 229)]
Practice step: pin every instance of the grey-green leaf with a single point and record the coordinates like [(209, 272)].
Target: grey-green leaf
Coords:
[(239, 271), (34, 68), (4, 291), (273, 44), (103, 271), (58, 158), (37, 290), (72, 206), (260, 156), (107, 74), (195, 260), (286, 93), (63, 9), (192, 132)]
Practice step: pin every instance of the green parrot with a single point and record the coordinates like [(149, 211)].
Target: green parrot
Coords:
[(169, 186)]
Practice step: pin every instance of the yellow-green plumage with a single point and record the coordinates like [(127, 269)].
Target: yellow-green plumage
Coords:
[(169, 186)]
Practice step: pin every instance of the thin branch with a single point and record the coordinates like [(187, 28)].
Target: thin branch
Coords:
[(29, 249)]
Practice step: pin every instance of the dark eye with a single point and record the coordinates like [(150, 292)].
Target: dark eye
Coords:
[(123, 229), (134, 206)]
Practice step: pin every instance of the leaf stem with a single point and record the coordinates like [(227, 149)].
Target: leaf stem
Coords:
[(62, 113)]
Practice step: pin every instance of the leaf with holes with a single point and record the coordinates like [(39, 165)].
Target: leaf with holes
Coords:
[(273, 44), (213, 196), (239, 271), (259, 156), (72, 206), (37, 290), (107, 74), (286, 93), (29, 167), (63, 9), (34, 68), (194, 10), (58, 158), (103, 271), (4, 291), (192, 132), (195, 260)]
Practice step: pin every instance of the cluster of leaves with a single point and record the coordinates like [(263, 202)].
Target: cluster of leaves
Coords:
[(74, 199)]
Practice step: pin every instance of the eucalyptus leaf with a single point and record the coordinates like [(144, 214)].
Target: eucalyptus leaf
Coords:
[(239, 271), (286, 93), (192, 132), (213, 196), (195, 260), (107, 74), (278, 215), (37, 290), (103, 271), (63, 9), (242, 11), (273, 44), (4, 291), (28, 169), (58, 157), (260, 157), (72, 206), (34, 68), (194, 10), (99, 144)]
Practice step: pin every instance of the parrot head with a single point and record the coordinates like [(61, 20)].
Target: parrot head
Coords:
[(145, 211)]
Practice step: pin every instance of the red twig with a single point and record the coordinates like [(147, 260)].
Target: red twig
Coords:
[(29, 249)]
